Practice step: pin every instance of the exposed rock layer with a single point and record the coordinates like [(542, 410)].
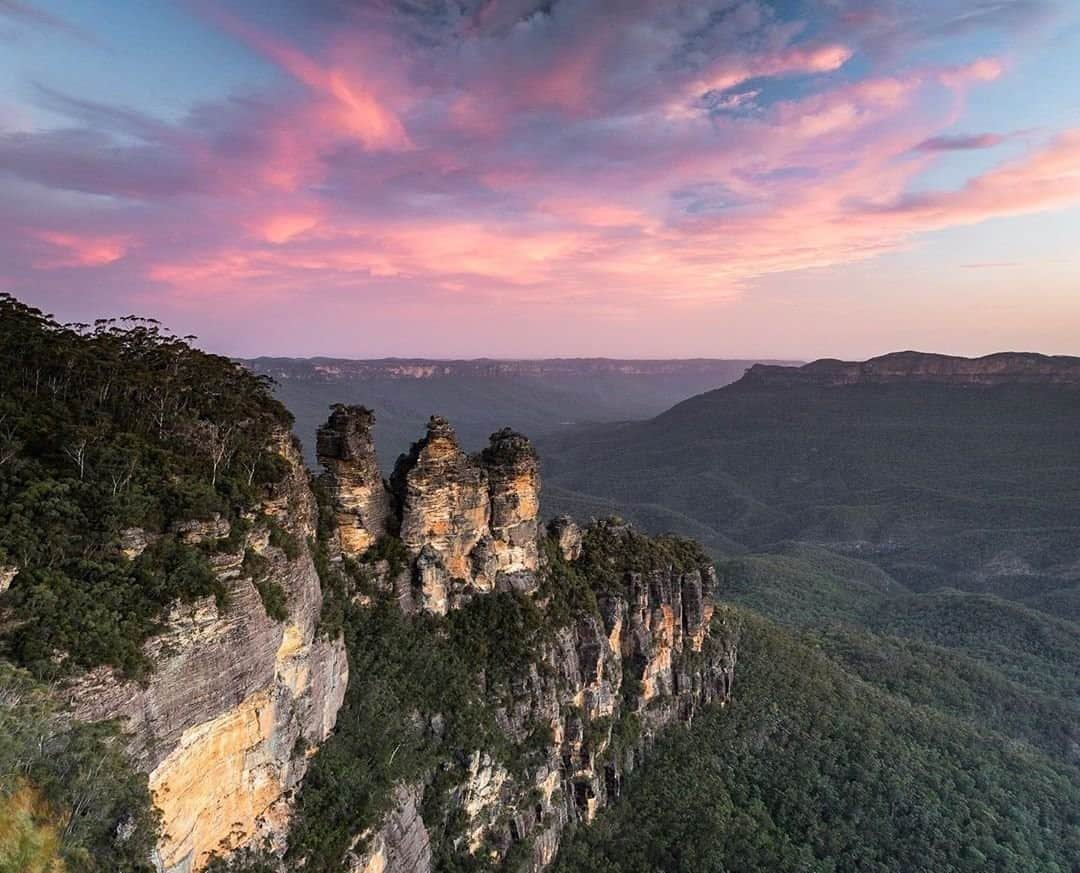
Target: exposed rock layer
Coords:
[(657, 649), (235, 698), (1000, 369), (346, 450), (468, 524)]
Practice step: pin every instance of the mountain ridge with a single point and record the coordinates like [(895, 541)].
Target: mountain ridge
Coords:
[(999, 368), (333, 368)]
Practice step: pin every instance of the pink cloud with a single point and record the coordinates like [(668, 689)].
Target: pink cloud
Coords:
[(536, 159), (80, 250), (349, 100)]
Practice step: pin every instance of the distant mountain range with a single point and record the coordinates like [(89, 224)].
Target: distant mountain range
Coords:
[(537, 397), (1003, 368), (942, 470)]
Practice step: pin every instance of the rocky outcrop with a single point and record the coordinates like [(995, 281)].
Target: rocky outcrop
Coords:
[(467, 524), (655, 651), (402, 844), (346, 449), (1004, 368), (236, 700), (444, 502), (567, 536), (514, 486)]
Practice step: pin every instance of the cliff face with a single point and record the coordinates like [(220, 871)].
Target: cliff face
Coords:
[(599, 691), (236, 700), (999, 369), (346, 450), (445, 507), (626, 639), (649, 651)]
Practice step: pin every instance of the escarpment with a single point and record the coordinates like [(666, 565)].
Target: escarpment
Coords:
[(236, 700), (1003, 368), (563, 650), (582, 645), (576, 716)]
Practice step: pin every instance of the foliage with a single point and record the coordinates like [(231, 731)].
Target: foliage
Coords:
[(811, 769), (69, 798), (412, 706), (247, 860), (963, 686), (105, 428), (612, 550)]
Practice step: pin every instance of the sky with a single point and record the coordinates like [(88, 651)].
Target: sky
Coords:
[(532, 178)]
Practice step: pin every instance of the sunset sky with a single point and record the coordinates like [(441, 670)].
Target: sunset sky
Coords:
[(522, 178)]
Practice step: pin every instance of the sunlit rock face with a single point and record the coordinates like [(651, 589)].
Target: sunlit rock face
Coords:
[(601, 688), (443, 499), (514, 485), (346, 449), (236, 700), (469, 524)]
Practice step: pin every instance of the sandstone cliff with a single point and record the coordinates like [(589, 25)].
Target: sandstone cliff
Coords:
[(626, 639), (236, 701), (655, 650), (468, 524), (1005, 368), (346, 450), (642, 647)]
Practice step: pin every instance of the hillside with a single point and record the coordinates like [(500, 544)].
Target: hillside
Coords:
[(811, 768), (535, 396), (935, 480), (916, 520)]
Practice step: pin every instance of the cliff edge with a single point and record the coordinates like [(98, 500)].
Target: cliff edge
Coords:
[(1004, 368)]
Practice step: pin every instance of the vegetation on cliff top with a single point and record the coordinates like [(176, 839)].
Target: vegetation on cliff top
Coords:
[(104, 428), (424, 691)]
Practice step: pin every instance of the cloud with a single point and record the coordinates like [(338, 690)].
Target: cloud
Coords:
[(516, 153), (1048, 178), (960, 142), (18, 10), (72, 250)]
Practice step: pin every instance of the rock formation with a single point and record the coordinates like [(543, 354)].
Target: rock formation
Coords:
[(346, 450), (567, 535), (468, 524), (599, 688), (236, 700), (514, 484), (443, 500), (654, 652), (1005, 368)]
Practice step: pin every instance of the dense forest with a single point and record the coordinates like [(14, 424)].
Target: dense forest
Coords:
[(916, 547), (813, 769), (107, 428)]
